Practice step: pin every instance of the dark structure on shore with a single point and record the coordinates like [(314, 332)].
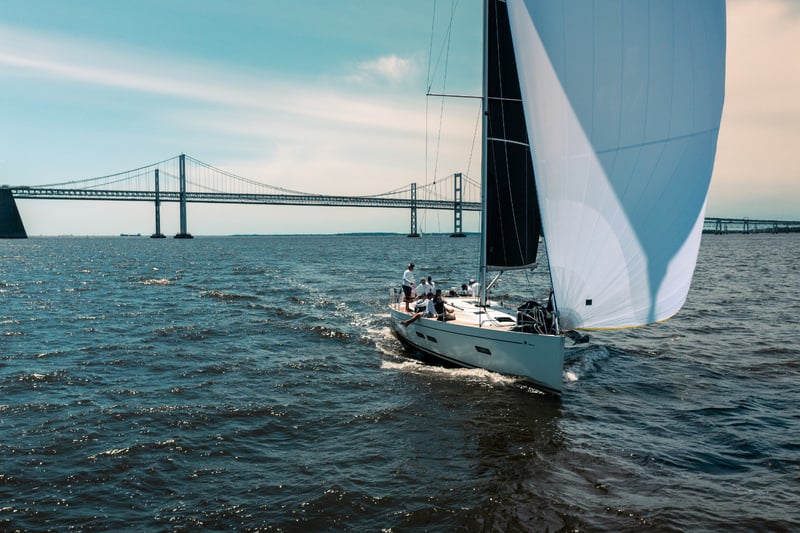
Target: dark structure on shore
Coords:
[(11, 226)]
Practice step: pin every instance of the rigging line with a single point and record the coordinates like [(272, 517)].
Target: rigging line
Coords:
[(428, 84), (475, 97), (467, 96), (445, 40), (474, 137), (431, 75), (427, 112), (430, 47), (444, 86)]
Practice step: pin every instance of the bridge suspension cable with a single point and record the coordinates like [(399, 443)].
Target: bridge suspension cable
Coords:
[(204, 179), (111, 178)]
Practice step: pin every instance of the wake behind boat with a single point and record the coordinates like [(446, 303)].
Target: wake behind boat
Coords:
[(600, 126)]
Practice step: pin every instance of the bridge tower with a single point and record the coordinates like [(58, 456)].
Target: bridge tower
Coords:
[(158, 234), (183, 234), (457, 207), (414, 232)]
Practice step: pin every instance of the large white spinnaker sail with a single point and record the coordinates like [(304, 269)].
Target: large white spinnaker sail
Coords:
[(623, 101)]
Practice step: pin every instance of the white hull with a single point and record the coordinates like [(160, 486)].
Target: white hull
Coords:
[(478, 339)]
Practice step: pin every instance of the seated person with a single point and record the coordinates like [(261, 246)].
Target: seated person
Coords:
[(430, 311), (443, 312), (431, 284), (474, 286), (421, 305), (422, 308), (422, 289), (465, 290)]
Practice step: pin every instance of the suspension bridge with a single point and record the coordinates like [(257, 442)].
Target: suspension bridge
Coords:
[(183, 179)]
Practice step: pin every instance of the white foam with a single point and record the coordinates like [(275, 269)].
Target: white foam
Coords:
[(162, 281), (586, 363), (472, 375), (385, 342)]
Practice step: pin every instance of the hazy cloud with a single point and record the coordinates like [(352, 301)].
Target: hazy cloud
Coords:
[(391, 68)]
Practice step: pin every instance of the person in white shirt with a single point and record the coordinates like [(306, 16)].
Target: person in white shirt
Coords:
[(423, 308), (474, 286), (431, 310), (431, 285), (422, 289), (408, 284)]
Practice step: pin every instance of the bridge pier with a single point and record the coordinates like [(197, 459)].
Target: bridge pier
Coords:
[(413, 232), (183, 234), (457, 207), (158, 234), (11, 226)]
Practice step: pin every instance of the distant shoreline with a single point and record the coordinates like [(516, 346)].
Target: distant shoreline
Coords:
[(769, 231), (246, 235)]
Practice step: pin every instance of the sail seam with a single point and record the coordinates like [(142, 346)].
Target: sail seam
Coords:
[(658, 141), (497, 139)]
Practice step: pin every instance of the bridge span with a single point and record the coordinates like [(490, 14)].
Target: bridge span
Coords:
[(172, 180), (184, 180), (238, 198)]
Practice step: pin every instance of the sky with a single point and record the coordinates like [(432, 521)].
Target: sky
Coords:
[(321, 96)]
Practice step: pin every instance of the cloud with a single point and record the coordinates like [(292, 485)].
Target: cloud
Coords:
[(391, 69), (71, 60), (301, 135)]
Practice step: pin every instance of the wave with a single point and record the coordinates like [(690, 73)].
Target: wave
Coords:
[(161, 281), (57, 376), (249, 271), (586, 361), (190, 333), (111, 452), (54, 353), (326, 332), (226, 295), (280, 312)]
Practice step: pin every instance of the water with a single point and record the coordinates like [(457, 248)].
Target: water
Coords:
[(252, 384)]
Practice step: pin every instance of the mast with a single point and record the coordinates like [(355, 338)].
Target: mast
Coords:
[(485, 151)]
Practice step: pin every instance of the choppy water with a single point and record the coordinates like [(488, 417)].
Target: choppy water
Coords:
[(252, 384)]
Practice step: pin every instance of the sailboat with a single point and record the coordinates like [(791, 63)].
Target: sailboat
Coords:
[(600, 129)]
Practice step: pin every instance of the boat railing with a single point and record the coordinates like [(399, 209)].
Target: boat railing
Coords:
[(394, 296)]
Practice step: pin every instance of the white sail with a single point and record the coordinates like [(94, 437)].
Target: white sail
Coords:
[(623, 101)]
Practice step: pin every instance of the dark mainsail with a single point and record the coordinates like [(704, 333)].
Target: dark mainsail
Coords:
[(513, 224)]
